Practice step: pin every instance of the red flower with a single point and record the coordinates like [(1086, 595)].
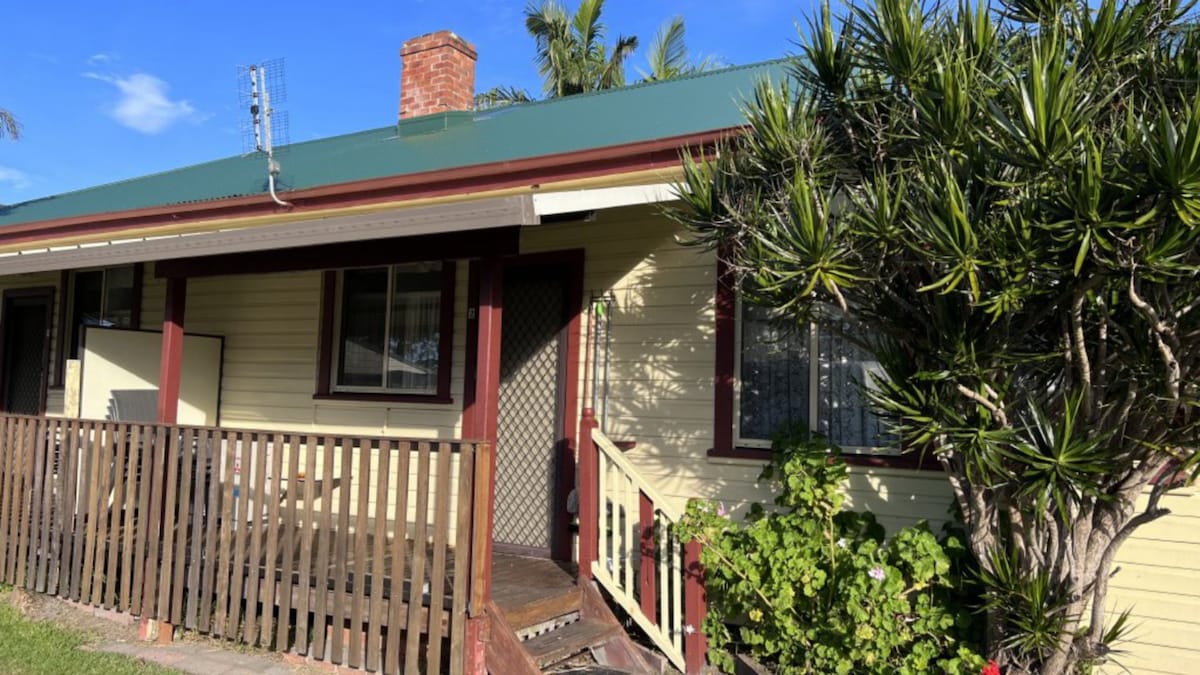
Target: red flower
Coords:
[(990, 669)]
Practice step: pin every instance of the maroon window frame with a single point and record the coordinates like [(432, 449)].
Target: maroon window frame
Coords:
[(328, 337), (724, 381)]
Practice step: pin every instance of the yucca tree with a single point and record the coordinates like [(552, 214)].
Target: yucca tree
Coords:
[(572, 56), (1005, 208)]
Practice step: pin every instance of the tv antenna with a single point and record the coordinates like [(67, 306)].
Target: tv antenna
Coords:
[(260, 86)]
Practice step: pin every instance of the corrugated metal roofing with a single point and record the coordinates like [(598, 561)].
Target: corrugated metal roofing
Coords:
[(643, 112)]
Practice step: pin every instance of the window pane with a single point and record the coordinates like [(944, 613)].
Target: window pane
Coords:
[(364, 313), (416, 320), (118, 297), (86, 303), (774, 375), (845, 417)]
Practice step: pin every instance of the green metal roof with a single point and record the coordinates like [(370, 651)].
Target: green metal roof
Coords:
[(643, 112)]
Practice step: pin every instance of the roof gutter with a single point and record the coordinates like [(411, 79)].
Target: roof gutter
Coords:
[(324, 199)]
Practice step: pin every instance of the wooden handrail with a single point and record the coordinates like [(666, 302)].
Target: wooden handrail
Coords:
[(613, 454), (654, 577)]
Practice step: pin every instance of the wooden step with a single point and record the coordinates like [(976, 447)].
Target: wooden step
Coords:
[(543, 611), (533, 591), (563, 643)]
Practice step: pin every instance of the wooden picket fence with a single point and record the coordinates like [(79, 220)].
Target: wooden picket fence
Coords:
[(352, 550)]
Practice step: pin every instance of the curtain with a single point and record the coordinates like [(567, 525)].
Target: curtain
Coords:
[(774, 375), (842, 409), (775, 389)]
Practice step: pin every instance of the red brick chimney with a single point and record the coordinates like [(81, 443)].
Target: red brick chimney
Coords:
[(437, 74)]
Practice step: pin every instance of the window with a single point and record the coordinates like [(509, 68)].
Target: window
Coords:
[(779, 382), (104, 297), (393, 326)]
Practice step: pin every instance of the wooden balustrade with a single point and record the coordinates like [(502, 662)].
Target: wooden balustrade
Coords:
[(627, 543), (338, 547)]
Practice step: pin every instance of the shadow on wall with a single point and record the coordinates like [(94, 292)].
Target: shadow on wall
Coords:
[(660, 385)]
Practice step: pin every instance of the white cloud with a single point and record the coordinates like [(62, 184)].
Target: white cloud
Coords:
[(19, 180), (144, 104), (100, 57)]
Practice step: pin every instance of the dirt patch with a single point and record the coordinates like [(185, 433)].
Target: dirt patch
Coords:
[(103, 630), (108, 627)]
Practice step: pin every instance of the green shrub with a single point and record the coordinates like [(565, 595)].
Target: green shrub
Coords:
[(812, 588)]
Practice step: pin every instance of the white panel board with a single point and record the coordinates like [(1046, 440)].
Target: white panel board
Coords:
[(120, 376)]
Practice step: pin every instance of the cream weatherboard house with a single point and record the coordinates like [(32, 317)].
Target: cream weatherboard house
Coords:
[(358, 424)]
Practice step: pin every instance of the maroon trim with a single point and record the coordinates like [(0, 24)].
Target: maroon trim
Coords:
[(325, 340), (396, 250), (487, 376), (647, 570), (46, 295), (695, 606), (485, 404), (171, 365), (725, 340), (589, 500), (455, 181), (725, 344)]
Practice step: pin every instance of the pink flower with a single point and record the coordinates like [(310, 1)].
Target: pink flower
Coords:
[(990, 669), (877, 574), (721, 510)]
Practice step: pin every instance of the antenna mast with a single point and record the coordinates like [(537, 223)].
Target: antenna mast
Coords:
[(264, 124)]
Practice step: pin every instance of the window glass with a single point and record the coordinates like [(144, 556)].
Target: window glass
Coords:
[(776, 387), (87, 306), (774, 374), (844, 414), (118, 296), (390, 329), (364, 316), (414, 335)]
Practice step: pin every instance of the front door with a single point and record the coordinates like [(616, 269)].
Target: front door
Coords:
[(530, 428), (26, 332)]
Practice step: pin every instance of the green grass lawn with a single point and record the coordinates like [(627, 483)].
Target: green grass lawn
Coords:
[(30, 647)]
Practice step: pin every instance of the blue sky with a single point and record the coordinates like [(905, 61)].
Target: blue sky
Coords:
[(112, 90)]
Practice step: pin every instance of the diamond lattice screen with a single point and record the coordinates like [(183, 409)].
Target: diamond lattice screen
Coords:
[(26, 351), (525, 471)]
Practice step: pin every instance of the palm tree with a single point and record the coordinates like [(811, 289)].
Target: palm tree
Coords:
[(9, 125), (571, 54), (669, 56), (501, 96)]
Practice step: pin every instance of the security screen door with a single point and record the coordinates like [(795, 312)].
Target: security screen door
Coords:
[(530, 425)]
